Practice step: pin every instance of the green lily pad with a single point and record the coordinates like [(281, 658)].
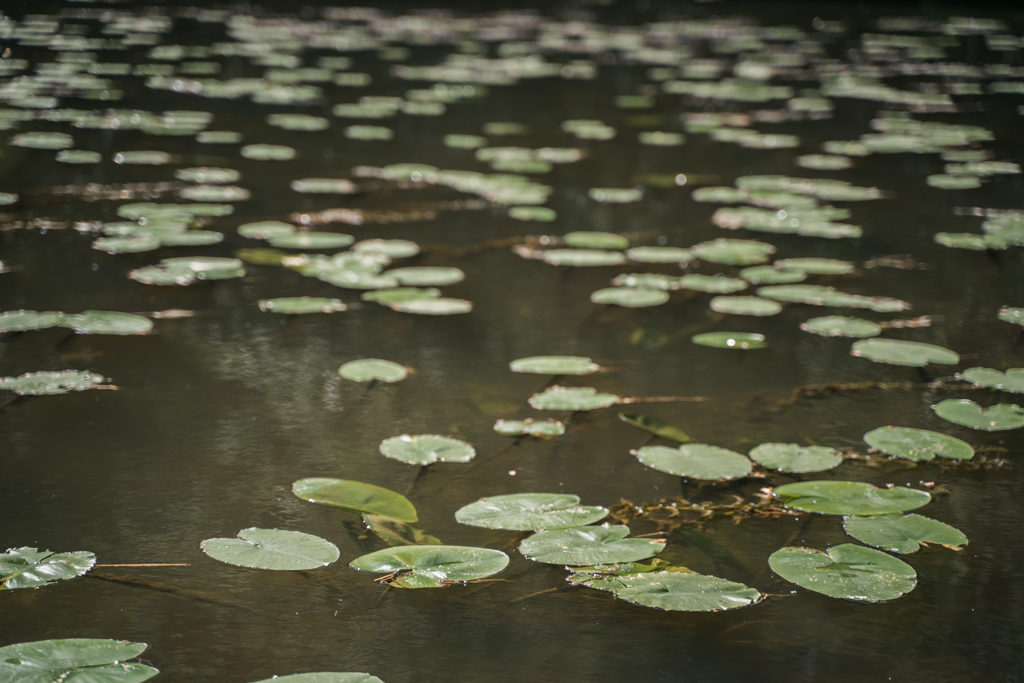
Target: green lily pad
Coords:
[(214, 193), (655, 426), (554, 365), (22, 320), (945, 181), (41, 139), (432, 566), (734, 252), (373, 370), (427, 276), (311, 240), (659, 255), (587, 545), (424, 449), (592, 239), (355, 496), (1012, 380), (682, 591), (529, 512), (965, 412), (262, 230), (395, 295), (901, 352), (903, 534), (968, 240), (791, 457), (367, 132), (918, 444), (582, 257), (532, 213), (276, 549), (647, 281), (821, 295), (440, 305), (745, 305), (266, 152), (31, 568), (615, 195), (571, 398), (695, 461), (208, 175), (130, 244), (74, 659), (323, 186), (529, 427), (324, 677), (1009, 314), (630, 297), (391, 248), (849, 498), (847, 571), (841, 326), (107, 322), (712, 284), (301, 305), (48, 383), (730, 340), (816, 266)]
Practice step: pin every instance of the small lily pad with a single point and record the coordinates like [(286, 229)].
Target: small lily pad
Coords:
[(816, 266), (373, 370), (276, 549), (107, 322), (695, 461), (355, 496), (592, 239), (656, 254), (730, 340), (918, 444), (572, 398), (74, 659), (554, 365), (901, 352), (791, 457), (301, 305), (48, 383), (903, 534), (965, 412), (712, 284), (847, 571), (529, 512), (311, 240), (1009, 314), (682, 591), (841, 326), (267, 152), (582, 257), (424, 449), (395, 295), (630, 297), (849, 498), (31, 568), (22, 320), (427, 276), (771, 275), (1012, 380), (587, 545), (440, 305), (734, 252), (545, 429), (431, 566), (745, 305)]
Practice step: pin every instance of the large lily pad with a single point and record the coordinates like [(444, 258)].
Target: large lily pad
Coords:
[(356, 496), (47, 383), (373, 370), (681, 591), (791, 457), (572, 398), (696, 461), (424, 449), (277, 549), (849, 498), (30, 568), (432, 566), (917, 444), (965, 412), (1012, 380), (847, 571), (555, 365), (580, 546), (89, 660), (901, 352), (529, 511), (903, 534), (324, 677)]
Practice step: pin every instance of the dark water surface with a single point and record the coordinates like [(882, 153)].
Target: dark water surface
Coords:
[(217, 414)]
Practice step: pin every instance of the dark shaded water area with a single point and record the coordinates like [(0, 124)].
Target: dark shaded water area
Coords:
[(218, 413)]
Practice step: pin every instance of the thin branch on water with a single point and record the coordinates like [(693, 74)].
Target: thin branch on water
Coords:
[(535, 594), (146, 564), (627, 400)]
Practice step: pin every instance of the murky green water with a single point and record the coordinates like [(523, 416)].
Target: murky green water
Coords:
[(217, 414)]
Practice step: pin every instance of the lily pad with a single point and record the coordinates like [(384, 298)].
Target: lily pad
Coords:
[(427, 276), (841, 326), (74, 659), (903, 534), (695, 461), (440, 305), (571, 398), (22, 320), (324, 677), (1012, 380), (48, 383), (424, 449), (395, 295), (816, 266), (529, 512), (373, 370), (682, 591), (262, 230), (587, 545), (712, 284), (107, 322), (965, 412), (392, 248), (31, 568), (529, 427), (847, 571), (630, 297), (592, 239), (355, 496), (311, 240), (432, 566), (655, 426), (1009, 314), (745, 305), (276, 549), (849, 498), (734, 252), (301, 305), (554, 365), (901, 352), (659, 255), (267, 152), (918, 444), (730, 340), (791, 457), (582, 257)]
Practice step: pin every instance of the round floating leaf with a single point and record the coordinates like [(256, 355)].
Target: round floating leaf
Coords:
[(847, 571), (580, 546), (30, 568), (262, 230), (816, 266), (730, 340), (571, 398), (264, 152), (324, 677), (427, 276), (389, 248), (373, 370), (52, 382), (40, 139), (323, 186), (311, 240), (131, 244), (629, 297), (712, 284), (901, 352), (107, 322), (695, 461), (591, 239), (277, 549), (582, 257), (849, 498), (647, 281), (532, 213), (22, 320), (734, 252), (903, 534), (917, 444), (424, 449), (208, 175), (684, 591), (74, 659), (945, 181), (745, 305), (1009, 314), (432, 566), (1012, 380), (433, 306), (398, 294), (965, 412), (299, 305), (529, 512), (355, 496), (529, 427), (659, 255), (554, 365), (791, 457), (841, 326), (771, 275)]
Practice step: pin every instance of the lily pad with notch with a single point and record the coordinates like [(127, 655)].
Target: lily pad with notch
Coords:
[(373, 370), (630, 297), (31, 568), (695, 461), (918, 444), (967, 413), (791, 457), (529, 512), (903, 534), (53, 382), (849, 498), (302, 305), (277, 549), (745, 305), (841, 326), (431, 566), (355, 496), (74, 659), (902, 352), (679, 591), (1012, 380), (324, 677), (847, 571), (588, 545), (440, 305), (572, 398), (555, 365), (545, 429), (425, 449)]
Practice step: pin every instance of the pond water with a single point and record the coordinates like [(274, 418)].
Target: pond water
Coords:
[(224, 405)]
